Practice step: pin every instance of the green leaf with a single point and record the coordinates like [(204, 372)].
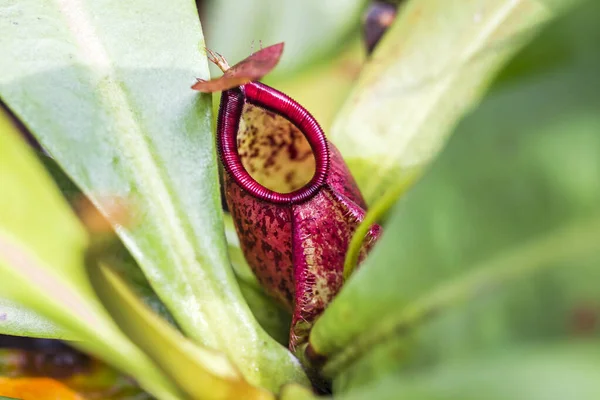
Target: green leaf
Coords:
[(555, 371), (41, 263), (119, 257), (297, 392), (242, 270), (272, 317), (375, 215), (104, 86), (311, 29), (21, 321), (201, 373), (17, 320), (498, 243), (430, 68)]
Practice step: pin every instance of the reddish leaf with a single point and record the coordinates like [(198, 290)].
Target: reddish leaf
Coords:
[(253, 68)]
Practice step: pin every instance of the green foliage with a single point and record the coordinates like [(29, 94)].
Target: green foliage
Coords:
[(484, 284), (21, 321), (42, 265), (425, 74), (111, 104), (538, 373), (199, 372), (496, 246)]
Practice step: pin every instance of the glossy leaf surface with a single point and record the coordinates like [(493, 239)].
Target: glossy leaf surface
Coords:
[(117, 256), (104, 87), (498, 244), (432, 65), (21, 321), (42, 263)]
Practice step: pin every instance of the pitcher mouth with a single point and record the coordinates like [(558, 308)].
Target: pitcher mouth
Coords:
[(260, 95)]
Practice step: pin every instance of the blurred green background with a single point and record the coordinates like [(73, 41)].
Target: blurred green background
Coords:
[(483, 115)]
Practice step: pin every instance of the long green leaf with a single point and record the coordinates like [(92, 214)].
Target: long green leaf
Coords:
[(551, 372), (199, 372), (42, 267), (118, 256), (17, 320), (507, 217), (104, 86), (433, 64)]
